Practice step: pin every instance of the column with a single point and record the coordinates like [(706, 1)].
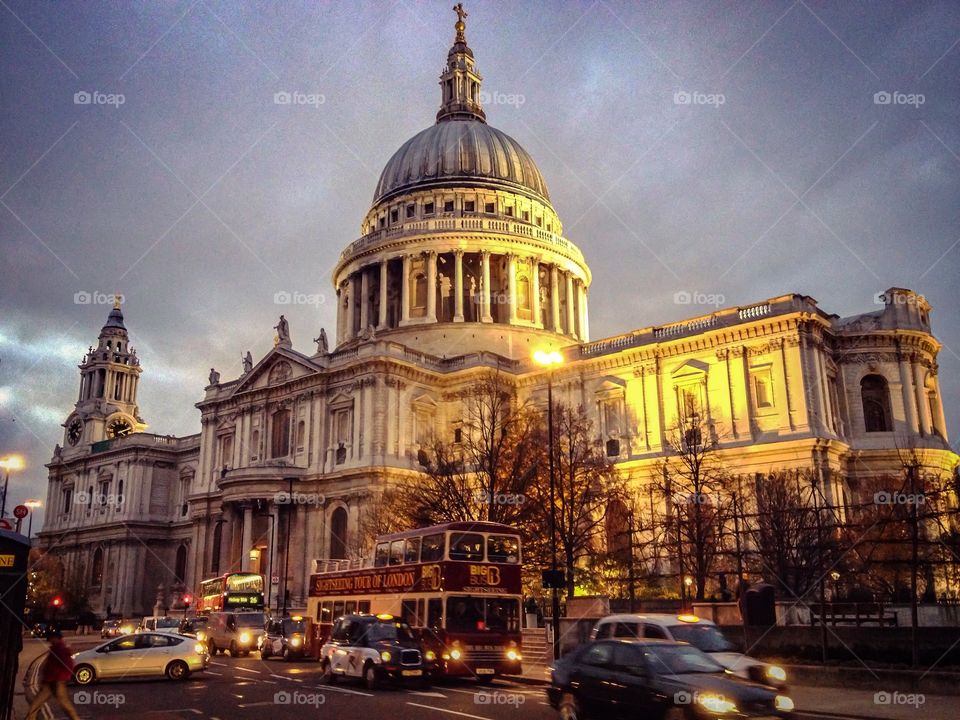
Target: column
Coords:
[(246, 538), (923, 410), (405, 292), (554, 298), (364, 299), (458, 286), (571, 328), (582, 309), (382, 320), (535, 285), (910, 416), (512, 286), (485, 290), (431, 286)]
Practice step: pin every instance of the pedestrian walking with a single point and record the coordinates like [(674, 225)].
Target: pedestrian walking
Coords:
[(56, 672)]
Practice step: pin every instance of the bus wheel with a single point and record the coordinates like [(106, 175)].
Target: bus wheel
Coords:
[(327, 674), (569, 708), (370, 678)]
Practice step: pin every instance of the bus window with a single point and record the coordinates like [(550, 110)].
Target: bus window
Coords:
[(396, 552), (432, 549), (470, 614), (412, 553), (466, 546), (382, 556), (337, 608), (363, 606), (503, 548), (408, 613), (325, 612), (420, 614), (434, 613), (350, 607)]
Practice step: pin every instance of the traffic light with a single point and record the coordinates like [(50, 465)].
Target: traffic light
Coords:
[(57, 601), (187, 600)]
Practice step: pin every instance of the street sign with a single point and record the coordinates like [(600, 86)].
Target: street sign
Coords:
[(274, 580), (21, 511)]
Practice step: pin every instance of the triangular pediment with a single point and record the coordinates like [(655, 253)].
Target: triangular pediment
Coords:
[(279, 366), (689, 368)]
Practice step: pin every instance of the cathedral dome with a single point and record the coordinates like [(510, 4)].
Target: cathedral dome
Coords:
[(461, 152)]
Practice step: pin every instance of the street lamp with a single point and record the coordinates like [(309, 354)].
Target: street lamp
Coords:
[(11, 462), (551, 359), (33, 505)]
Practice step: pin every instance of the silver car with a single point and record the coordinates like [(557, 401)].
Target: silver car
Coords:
[(139, 655)]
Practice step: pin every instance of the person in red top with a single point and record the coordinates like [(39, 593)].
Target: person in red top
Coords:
[(56, 672)]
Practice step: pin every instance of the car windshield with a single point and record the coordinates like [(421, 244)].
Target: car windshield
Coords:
[(388, 631), (292, 626), (250, 620), (167, 623), (679, 659), (705, 637)]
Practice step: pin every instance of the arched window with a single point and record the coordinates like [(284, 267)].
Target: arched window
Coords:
[(280, 435), (301, 434), (338, 534), (420, 290), (180, 567), (523, 292), (96, 568), (120, 493), (875, 396)]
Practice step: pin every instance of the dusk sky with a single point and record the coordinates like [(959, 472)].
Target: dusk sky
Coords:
[(734, 151)]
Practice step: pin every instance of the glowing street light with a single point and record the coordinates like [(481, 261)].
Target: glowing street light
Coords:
[(11, 462), (33, 505), (551, 359)]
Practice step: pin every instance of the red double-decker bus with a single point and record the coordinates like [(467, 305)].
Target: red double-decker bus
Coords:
[(232, 591), (457, 584)]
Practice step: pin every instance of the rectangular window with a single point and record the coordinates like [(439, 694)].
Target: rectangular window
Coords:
[(508, 211), (428, 208), (433, 547), (526, 216), (763, 388), (411, 210), (469, 206), (448, 206), (466, 546), (394, 215), (382, 556), (503, 549), (396, 552), (66, 501), (350, 607), (408, 613), (383, 221), (363, 606), (539, 221), (412, 552), (489, 208), (435, 613)]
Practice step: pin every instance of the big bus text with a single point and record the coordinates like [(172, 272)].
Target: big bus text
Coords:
[(457, 584)]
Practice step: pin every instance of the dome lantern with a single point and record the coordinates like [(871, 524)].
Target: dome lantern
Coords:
[(460, 81)]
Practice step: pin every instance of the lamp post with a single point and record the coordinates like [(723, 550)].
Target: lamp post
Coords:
[(550, 360), (12, 462), (33, 505)]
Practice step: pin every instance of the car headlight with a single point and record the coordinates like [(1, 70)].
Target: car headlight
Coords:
[(513, 655), (430, 655), (775, 672), (716, 703), (386, 656), (200, 649), (295, 642), (201, 635), (783, 703), (455, 653), (245, 638)]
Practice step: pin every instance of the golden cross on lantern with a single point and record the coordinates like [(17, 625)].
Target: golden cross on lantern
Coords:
[(461, 13), (117, 299)]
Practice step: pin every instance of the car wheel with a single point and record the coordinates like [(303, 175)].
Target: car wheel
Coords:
[(265, 652), (84, 675), (233, 649), (327, 675), (211, 648), (370, 678), (178, 670)]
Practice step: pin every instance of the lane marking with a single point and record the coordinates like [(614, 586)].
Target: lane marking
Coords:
[(213, 672), (248, 669), (426, 694), (452, 712), (344, 690)]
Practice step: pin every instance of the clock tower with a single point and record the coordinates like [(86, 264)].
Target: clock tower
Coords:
[(106, 407)]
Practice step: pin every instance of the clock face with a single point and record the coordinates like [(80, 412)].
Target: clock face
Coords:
[(119, 428), (74, 432)]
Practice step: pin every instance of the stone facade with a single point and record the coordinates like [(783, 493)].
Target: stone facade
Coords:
[(461, 268)]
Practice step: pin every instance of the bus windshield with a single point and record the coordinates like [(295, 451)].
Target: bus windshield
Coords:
[(389, 631), (479, 614)]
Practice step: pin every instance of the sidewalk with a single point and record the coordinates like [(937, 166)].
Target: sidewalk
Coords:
[(861, 704), (32, 649)]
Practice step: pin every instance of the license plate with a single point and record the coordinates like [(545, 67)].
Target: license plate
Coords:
[(411, 673), (485, 671)]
